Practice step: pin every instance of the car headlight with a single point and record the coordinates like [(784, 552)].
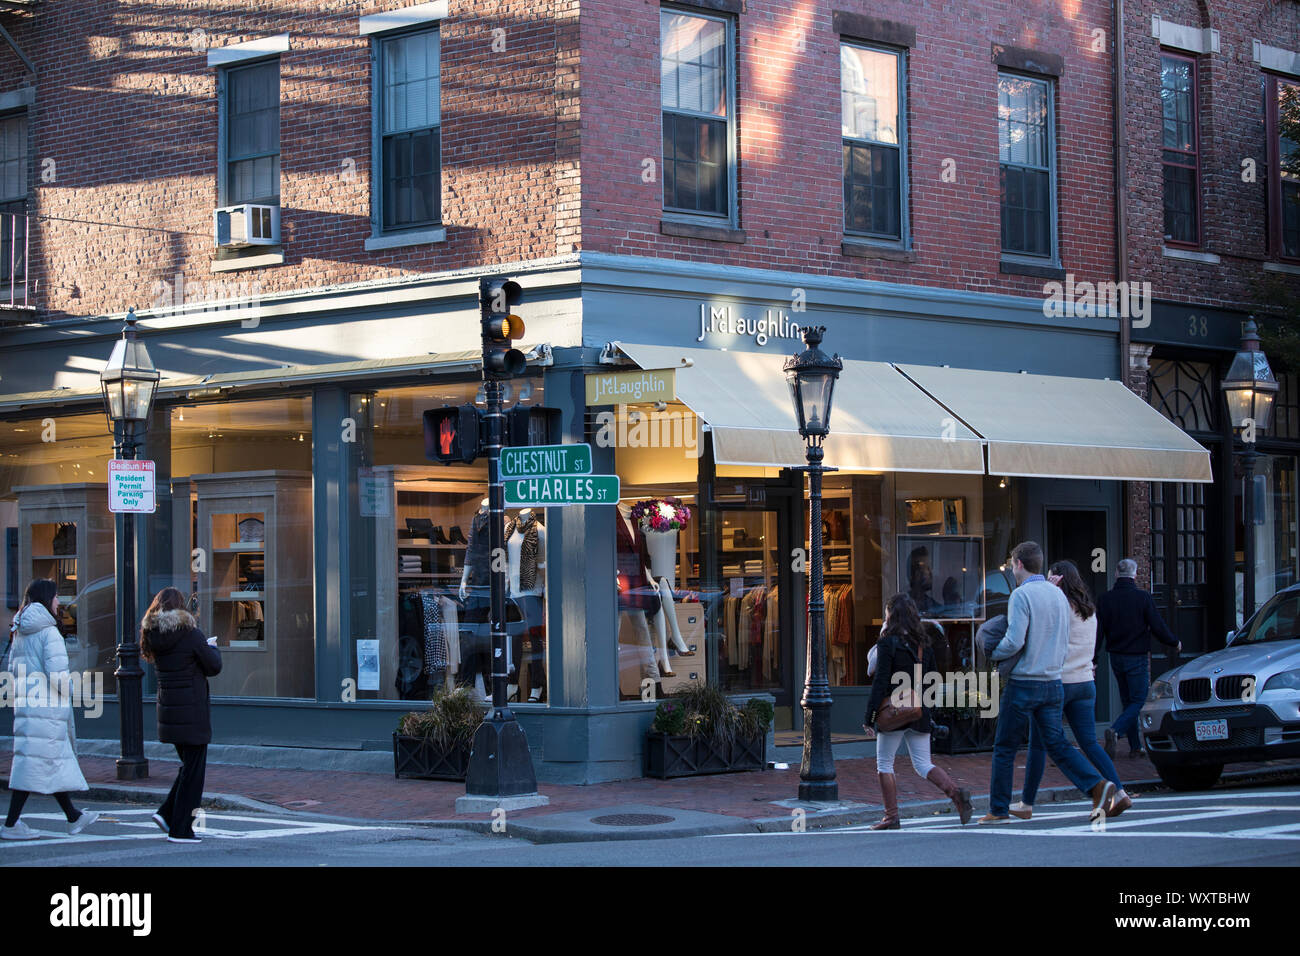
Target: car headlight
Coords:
[(1287, 680), (1161, 690)]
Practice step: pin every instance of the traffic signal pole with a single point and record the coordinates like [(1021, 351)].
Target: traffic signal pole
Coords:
[(500, 772), (495, 418)]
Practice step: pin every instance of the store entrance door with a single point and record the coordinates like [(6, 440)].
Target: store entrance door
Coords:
[(1080, 536), (743, 538)]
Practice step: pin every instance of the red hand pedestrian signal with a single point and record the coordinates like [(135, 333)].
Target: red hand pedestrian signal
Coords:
[(446, 436), (451, 434)]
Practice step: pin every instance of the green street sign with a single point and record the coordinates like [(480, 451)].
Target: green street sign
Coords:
[(560, 490), (538, 461)]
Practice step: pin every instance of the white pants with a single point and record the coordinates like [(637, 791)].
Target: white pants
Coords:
[(918, 748)]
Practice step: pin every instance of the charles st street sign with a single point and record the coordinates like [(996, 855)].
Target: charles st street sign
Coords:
[(560, 490)]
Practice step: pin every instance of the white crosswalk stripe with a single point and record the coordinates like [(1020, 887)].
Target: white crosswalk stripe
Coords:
[(116, 825)]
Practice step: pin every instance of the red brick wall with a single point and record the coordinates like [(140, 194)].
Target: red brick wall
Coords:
[(790, 192), (127, 109), (1234, 212)]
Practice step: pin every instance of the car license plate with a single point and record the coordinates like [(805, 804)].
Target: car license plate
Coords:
[(1211, 730)]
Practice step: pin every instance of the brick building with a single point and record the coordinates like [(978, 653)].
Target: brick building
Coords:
[(1209, 224), (299, 200)]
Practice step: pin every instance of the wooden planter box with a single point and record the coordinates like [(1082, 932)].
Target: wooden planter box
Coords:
[(415, 757), (667, 756), (966, 735)]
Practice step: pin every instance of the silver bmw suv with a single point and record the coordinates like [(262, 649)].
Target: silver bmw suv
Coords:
[(1238, 704)]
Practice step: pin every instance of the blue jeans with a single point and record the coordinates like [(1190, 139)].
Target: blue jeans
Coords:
[(1133, 675), (1038, 702), (1080, 708)]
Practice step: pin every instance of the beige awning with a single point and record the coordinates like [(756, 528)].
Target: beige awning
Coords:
[(1056, 427), (880, 421)]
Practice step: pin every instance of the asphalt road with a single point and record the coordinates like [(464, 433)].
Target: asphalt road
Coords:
[(1257, 826)]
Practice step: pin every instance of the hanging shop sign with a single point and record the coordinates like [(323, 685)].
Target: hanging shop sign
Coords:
[(542, 461), (131, 487), (561, 490), (632, 385)]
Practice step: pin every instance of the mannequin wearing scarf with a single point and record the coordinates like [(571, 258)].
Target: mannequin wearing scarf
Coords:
[(526, 567), (637, 597)]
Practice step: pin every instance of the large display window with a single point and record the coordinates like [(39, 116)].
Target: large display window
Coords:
[(54, 512), (419, 563), (241, 521)]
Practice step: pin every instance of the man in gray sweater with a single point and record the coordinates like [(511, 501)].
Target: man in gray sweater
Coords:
[(1038, 627)]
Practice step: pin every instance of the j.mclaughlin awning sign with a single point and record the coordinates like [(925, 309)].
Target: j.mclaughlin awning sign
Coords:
[(724, 320)]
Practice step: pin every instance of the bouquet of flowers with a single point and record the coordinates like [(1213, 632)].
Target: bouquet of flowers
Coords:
[(667, 514)]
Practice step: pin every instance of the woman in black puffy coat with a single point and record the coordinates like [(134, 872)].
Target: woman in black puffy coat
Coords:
[(170, 638)]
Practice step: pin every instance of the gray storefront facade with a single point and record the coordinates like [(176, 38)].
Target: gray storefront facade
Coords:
[(297, 507)]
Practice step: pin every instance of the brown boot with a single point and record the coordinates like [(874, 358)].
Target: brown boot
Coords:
[(960, 798), (888, 796)]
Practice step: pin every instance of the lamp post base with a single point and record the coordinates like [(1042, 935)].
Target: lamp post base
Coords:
[(132, 768), (499, 763), (817, 781)]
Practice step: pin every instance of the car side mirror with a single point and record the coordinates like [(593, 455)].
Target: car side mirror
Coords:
[(1228, 639)]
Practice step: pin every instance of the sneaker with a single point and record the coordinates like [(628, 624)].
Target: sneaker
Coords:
[(1022, 810), (19, 831), (161, 823), (86, 819), (1103, 795), (1121, 803), (989, 820), (185, 839), (1110, 743)]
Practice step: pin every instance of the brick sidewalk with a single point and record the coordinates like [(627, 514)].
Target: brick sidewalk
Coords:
[(375, 796)]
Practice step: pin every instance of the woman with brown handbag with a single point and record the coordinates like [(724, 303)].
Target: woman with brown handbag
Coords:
[(898, 711)]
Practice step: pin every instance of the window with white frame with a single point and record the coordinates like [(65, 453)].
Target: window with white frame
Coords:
[(252, 161), (697, 103), (871, 113), (409, 84), (1025, 154)]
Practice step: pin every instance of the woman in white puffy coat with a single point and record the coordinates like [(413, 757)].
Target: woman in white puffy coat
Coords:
[(45, 760)]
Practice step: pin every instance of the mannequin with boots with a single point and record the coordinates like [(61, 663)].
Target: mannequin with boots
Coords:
[(903, 645)]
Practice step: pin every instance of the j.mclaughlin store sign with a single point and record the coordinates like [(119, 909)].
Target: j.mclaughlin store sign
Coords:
[(724, 320)]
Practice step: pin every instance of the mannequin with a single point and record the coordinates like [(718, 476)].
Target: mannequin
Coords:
[(474, 583), (525, 579), (637, 596)]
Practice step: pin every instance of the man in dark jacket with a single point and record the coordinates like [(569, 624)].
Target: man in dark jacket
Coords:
[(1127, 619), (184, 661)]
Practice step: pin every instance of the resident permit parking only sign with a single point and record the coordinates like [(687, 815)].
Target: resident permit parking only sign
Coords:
[(131, 487)]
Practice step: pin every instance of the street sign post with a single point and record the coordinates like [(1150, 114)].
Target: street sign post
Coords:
[(131, 487), (543, 461), (557, 491)]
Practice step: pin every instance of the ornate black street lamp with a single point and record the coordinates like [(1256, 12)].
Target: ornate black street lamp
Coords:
[(129, 381), (1250, 389), (811, 375)]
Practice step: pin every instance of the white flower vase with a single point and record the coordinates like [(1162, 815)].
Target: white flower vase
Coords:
[(662, 546)]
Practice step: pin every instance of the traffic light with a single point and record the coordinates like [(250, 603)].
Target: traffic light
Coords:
[(500, 327), (451, 434), (532, 425)]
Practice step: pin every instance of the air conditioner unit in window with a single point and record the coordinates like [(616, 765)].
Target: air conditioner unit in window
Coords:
[(236, 227)]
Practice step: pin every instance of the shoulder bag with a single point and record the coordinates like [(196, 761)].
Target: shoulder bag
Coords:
[(891, 716)]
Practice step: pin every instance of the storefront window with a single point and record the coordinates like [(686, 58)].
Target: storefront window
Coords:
[(241, 520), (664, 603), (1275, 529), (419, 558), (54, 511)]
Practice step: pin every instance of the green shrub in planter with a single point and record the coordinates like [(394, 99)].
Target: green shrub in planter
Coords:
[(670, 718), (449, 724), (755, 718)]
